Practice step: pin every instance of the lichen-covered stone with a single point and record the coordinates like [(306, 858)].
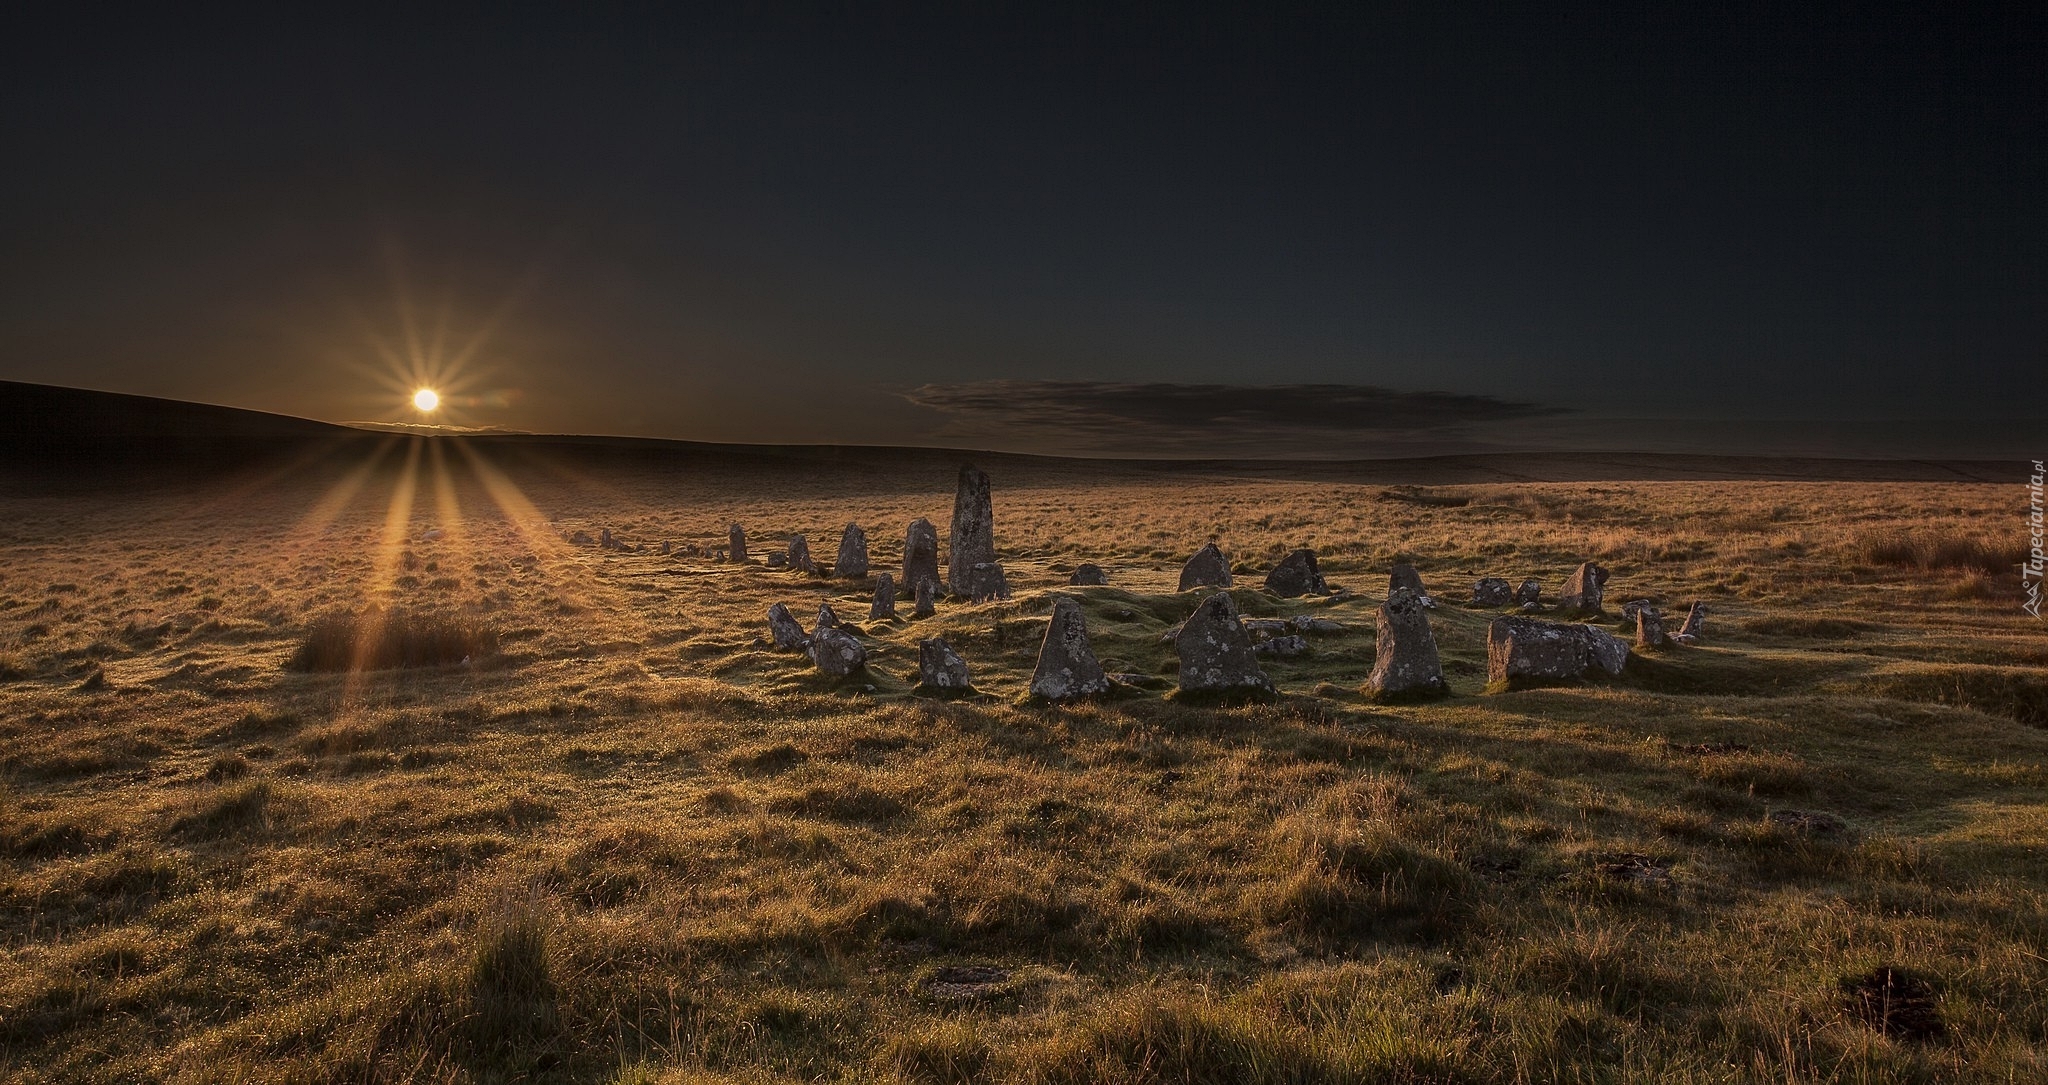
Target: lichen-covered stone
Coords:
[(1215, 651), (783, 627), (1404, 578), (920, 555), (1530, 593), (939, 667), (837, 653), (1584, 589), (927, 591), (1649, 627), (852, 563), (1531, 648), (972, 540), (1695, 621), (1405, 659), (1208, 568), (827, 619), (1492, 591), (1067, 669), (884, 606), (1297, 575)]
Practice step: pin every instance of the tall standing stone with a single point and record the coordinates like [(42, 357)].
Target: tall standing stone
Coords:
[(1216, 653), (940, 668), (972, 541), (920, 555), (736, 544), (884, 605), (1583, 589), (1067, 669), (1405, 660), (1207, 569), (1297, 575), (926, 590), (782, 625), (1649, 627), (852, 563), (1695, 621), (800, 556)]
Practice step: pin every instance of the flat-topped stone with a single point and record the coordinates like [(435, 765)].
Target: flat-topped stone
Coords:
[(1531, 648), (1405, 661)]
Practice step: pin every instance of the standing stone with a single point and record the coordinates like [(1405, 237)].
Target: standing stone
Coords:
[(920, 555), (1405, 661), (827, 619), (986, 583), (605, 540), (884, 605), (837, 653), (853, 554), (1530, 593), (1067, 670), (1695, 621), (1088, 575), (1215, 653), (1582, 590), (667, 548), (972, 541), (1405, 578), (926, 590), (800, 556), (1534, 648), (940, 668), (736, 544), (1649, 627), (1207, 569), (1297, 575), (782, 626), (1491, 592)]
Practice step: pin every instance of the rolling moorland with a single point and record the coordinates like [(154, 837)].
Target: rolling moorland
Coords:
[(627, 841)]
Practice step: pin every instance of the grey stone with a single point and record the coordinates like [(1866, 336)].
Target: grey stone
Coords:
[(1088, 575), (884, 605), (1308, 623), (920, 555), (1405, 660), (1649, 627), (1492, 591), (1267, 627), (972, 540), (852, 563), (1286, 647), (1630, 608), (667, 548), (837, 653), (1215, 653), (926, 590), (1529, 593), (605, 540), (778, 560), (1067, 669), (799, 556), (581, 538), (1207, 569), (1695, 621), (985, 583), (939, 667), (783, 627), (1297, 575), (827, 619), (1583, 589), (736, 544), (1533, 648), (1405, 578)]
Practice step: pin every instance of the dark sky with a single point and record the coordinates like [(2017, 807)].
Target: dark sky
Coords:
[(1032, 231)]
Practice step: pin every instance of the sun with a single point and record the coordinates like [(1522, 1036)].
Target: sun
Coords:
[(426, 399)]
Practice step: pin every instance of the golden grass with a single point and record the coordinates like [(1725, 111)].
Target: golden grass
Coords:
[(637, 845)]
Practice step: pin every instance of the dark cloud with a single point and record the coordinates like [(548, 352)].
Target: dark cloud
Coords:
[(1225, 419)]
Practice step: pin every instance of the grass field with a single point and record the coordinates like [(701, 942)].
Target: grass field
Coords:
[(627, 841)]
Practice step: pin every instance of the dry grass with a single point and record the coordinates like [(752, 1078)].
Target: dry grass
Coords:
[(633, 844)]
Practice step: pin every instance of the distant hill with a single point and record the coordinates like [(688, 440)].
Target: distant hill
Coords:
[(48, 428)]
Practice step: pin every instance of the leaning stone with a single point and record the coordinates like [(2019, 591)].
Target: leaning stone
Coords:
[(1405, 659), (1207, 569), (1296, 575), (920, 555), (837, 653), (1405, 578), (1583, 589), (1529, 594), (799, 557), (884, 605), (852, 563), (926, 590), (1088, 575), (1695, 621), (827, 619), (972, 540), (1215, 654), (1649, 627), (940, 668), (1067, 669), (736, 544), (1286, 647), (985, 583), (782, 626), (1492, 592)]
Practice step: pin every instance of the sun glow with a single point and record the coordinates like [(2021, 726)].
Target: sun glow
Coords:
[(426, 399)]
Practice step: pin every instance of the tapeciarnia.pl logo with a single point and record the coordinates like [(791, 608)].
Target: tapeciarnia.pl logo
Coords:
[(2030, 570)]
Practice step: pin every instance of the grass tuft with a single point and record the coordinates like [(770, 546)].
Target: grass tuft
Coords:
[(378, 639)]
